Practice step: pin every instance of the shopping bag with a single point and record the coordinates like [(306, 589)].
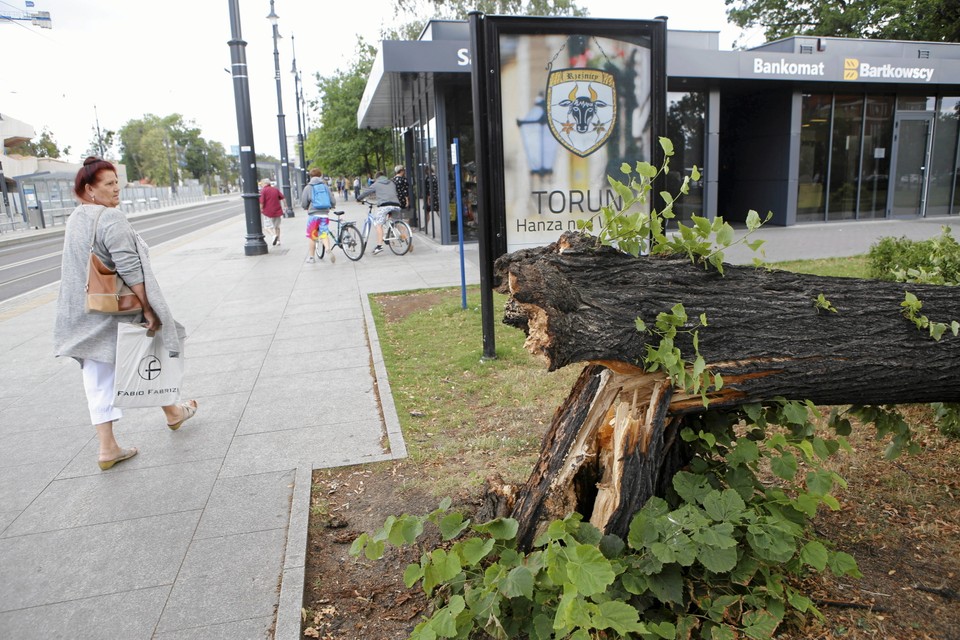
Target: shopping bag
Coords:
[(146, 375)]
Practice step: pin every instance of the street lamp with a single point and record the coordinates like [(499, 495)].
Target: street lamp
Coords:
[(247, 158), (538, 142), (284, 165), (298, 92)]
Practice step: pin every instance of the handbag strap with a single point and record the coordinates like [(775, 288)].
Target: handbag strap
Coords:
[(96, 221)]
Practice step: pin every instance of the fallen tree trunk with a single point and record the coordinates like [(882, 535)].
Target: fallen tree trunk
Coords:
[(613, 443)]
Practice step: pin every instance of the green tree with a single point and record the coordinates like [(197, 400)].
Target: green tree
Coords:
[(101, 145), (165, 150), (44, 147), (932, 20), (338, 146)]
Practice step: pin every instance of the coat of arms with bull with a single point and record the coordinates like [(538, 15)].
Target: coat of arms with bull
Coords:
[(581, 108)]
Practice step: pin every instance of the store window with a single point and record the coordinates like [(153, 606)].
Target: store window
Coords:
[(943, 174), (916, 103), (686, 115), (877, 149), (814, 156), (845, 159)]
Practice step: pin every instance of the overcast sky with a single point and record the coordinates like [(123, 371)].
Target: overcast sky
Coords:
[(117, 60)]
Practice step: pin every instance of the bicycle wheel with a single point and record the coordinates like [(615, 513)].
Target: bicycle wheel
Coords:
[(399, 237), (351, 242), (320, 250)]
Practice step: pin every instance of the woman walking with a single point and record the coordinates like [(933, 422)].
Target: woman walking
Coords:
[(91, 338)]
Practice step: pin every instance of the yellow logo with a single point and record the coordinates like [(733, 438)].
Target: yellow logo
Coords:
[(851, 68)]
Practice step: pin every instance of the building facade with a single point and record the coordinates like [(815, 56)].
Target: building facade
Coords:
[(810, 129)]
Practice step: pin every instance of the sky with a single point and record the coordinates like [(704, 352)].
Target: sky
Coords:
[(111, 61)]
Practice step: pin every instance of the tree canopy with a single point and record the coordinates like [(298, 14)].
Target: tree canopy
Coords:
[(338, 146), (166, 150), (931, 20), (44, 147)]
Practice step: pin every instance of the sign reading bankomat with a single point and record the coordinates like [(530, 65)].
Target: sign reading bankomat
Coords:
[(822, 68)]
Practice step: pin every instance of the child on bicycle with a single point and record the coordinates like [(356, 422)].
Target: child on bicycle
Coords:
[(317, 199), (388, 201)]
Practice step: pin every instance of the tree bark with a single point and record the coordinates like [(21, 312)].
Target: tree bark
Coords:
[(614, 443)]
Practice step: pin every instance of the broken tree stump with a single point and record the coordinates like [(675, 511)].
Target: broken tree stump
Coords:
[(614, 441)]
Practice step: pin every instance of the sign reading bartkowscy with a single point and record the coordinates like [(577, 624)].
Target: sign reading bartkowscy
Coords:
[(578, 98)]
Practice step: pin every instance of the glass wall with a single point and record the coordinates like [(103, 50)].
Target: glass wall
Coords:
[(849, 138), (877, 149), (943, 174), (686, 115), (814, 146), (845, 157), (459, 121)]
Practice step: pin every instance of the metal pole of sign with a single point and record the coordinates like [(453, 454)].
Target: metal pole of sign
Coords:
[(455, 161), (481, 127)]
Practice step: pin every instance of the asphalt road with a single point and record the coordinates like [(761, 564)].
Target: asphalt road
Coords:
[(36, 263)]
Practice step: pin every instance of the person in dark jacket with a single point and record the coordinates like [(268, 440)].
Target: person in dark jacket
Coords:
[(403, 186)]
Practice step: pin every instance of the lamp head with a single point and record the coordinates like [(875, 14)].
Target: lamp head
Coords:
[(273, 17)]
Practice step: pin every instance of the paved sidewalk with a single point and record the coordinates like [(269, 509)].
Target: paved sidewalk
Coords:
[(203, 534)]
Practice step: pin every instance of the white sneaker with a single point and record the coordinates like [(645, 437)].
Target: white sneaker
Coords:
[(377, 250), (310, 260)]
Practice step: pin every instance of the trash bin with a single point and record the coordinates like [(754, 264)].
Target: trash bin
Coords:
[(35, 219)]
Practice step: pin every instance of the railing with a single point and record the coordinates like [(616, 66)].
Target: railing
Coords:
[(132, 200)]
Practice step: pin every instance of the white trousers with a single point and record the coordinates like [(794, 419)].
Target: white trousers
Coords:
[(98, 383)]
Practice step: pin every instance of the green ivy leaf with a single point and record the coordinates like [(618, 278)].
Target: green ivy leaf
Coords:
[(474, 550), (691, 487), (499, 529), (760, 623), (745, 451), (619, 616), (753, 220), (667, 586), (664, 629), (814, 554), (647, 170), (588, 570), (451, 526), (784, 466), (519, 582), (842, 564), (724, 506), (722, 632), (412, 573), (405, 530), (667, 145), (718, 560)]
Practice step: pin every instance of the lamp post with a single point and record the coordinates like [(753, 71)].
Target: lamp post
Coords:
[(539, 145), (247, 159), (284, 165), (298, 92)]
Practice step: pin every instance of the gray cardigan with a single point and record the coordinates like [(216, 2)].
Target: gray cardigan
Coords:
[(79, 334)]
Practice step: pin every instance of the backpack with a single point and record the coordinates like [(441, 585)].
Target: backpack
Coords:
[(321, 197)]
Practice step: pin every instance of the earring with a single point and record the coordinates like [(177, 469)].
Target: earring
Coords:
[(94, 198)]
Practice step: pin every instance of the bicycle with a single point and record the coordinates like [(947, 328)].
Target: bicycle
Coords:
[(347, 237), (396, 233)]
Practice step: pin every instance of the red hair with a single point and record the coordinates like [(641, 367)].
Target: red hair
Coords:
[(90, 173)]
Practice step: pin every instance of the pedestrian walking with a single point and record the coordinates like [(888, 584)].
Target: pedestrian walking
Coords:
[(431, 190), (403, 190), (385, 191), (272, 210), (317, 199), (90, 338), (356, 187)]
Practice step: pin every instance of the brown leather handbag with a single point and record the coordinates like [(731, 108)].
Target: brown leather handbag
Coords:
[(107, 293)]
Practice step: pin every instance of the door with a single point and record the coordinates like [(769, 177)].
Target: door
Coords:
[(911, 157)]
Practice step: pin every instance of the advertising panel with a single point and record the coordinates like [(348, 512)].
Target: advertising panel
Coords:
[(577, 99)]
